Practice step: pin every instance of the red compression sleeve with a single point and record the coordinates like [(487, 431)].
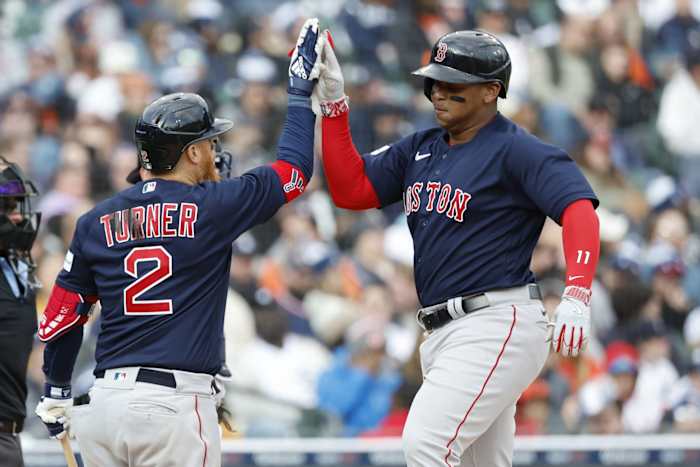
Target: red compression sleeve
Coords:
[(345, 170), (581, 240)]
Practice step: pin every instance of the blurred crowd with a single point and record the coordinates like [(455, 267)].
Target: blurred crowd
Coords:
[(321, 337)]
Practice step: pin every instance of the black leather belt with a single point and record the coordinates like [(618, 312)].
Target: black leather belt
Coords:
[(147, 375), (12, 427), (435, 316)]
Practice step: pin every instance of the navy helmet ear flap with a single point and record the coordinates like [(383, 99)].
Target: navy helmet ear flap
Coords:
[(428, 87)]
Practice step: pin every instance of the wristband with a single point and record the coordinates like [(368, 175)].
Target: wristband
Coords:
[(578, 293), (57, 392), (335, 108)]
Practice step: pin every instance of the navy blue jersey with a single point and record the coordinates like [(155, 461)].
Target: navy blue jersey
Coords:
[(157, 255), (475, 210)]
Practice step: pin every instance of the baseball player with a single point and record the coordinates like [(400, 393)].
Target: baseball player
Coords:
[(19, 224), (157, 257), (476, 191)]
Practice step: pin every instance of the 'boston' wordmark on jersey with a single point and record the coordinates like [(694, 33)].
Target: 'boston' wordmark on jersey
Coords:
[(440, 199)]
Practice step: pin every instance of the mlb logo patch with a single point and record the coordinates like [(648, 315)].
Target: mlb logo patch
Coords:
[(119, 376), (148, 187), (68, 261)]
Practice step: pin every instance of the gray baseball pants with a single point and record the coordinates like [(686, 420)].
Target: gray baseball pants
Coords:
[(129, 423)]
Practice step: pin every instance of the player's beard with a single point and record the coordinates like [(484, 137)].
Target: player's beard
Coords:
[(211, 173)]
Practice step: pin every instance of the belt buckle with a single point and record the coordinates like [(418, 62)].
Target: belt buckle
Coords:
[(425, 312), (419, 314)]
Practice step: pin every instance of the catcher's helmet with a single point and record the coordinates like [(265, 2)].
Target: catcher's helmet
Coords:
[(171, 123), (17, 235), (467, 57)]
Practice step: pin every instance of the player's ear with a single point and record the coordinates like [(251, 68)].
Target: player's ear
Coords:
[(193, 153), (490, 92)]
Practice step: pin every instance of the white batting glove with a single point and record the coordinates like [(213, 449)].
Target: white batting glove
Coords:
[(330, 90), (572, 322), (54, 412), (220, 380), (222, 411)]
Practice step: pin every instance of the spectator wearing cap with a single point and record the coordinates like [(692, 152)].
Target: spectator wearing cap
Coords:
[(663, 192), (359, 386), (605, 404), (260, 118), (667, 274), (672, 236), (533, 409), (657, 375)]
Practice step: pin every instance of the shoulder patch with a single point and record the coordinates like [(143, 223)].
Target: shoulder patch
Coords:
[(380, 150), (148, 187)]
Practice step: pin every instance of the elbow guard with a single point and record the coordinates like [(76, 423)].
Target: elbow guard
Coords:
[(64, 310)]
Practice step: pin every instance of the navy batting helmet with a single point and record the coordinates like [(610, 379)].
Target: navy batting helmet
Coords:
[(466, 57), (168, 126)]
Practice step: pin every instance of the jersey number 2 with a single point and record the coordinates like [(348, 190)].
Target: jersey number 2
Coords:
[(162, 271)]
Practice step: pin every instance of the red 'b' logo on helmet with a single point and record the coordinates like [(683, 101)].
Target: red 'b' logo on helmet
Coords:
[(441, 52)]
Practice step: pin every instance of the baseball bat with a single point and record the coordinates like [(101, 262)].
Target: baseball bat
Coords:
[(68, 452)]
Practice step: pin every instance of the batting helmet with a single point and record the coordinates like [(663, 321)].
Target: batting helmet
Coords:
[(466, 57), (169, 125)]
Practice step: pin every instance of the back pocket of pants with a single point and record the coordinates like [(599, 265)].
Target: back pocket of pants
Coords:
[(152, 407)]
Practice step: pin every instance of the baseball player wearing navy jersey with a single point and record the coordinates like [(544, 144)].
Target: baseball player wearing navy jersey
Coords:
[(476, 191), (157, 257)]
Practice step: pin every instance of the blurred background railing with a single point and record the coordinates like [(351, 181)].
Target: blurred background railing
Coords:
[(575, 451)]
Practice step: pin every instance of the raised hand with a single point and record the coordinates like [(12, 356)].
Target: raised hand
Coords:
[(304, 65)]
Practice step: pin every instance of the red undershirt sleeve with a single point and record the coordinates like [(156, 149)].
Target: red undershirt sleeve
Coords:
[(581, 240), (345, 170)]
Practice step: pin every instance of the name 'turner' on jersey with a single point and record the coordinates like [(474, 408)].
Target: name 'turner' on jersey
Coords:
[(156, 220)]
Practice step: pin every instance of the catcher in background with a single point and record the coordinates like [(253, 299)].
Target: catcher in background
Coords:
[(476, 191), (19, 225), (157, 256)]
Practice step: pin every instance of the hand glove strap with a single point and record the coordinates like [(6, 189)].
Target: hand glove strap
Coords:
[(57, 392), (300, 87), (578, 293), (335, 108)]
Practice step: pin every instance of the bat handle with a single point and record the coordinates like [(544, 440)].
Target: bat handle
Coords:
[(68, 452)]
